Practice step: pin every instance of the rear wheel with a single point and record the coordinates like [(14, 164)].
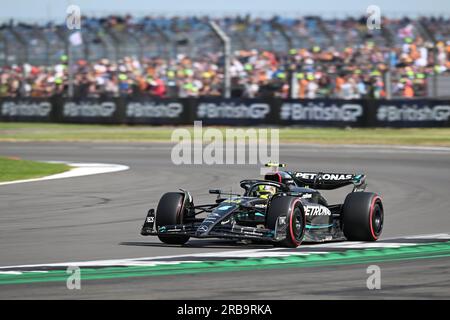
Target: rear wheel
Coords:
[(289, 207), (363, 216), (171, 211)]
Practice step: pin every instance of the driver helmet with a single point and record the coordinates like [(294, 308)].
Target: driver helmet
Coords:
[(265, 191)]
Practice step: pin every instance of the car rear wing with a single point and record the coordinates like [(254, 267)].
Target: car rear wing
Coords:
[(329, 181)]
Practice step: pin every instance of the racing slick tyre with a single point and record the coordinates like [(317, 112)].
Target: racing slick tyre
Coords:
[(170, 211), (295, 219), (362, 216)]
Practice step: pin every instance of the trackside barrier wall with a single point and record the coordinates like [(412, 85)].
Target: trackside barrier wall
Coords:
[(232, 112)]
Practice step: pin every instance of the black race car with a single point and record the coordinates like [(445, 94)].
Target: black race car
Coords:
[(285, 209)]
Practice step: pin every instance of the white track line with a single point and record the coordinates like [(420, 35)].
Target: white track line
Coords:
[(79, 170), (250, 253)]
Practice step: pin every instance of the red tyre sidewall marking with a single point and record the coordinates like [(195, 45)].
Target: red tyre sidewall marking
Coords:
[(296, 242), (279, 177), (179, 208), (372, 206)]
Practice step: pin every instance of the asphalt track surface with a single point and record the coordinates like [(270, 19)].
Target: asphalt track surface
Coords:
[(99, 217)]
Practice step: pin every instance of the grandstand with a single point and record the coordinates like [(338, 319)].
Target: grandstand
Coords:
[(182, 56)]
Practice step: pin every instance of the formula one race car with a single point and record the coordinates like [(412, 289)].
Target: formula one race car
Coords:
[(285, 209)]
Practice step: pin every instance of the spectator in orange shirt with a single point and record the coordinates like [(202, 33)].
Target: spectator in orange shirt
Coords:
[(408, 91)]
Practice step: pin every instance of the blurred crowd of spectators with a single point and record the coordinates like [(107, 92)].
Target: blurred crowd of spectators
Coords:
[(350, 72)]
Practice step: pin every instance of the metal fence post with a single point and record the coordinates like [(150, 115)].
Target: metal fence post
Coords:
[(227, 57), (388, 84), (70, 69)]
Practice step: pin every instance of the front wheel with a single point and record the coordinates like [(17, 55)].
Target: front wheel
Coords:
[(363, 216), (290, 208), (171, 211)]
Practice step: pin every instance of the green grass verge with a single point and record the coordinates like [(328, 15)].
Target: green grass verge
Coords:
[(15, 169), (122, 133)]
